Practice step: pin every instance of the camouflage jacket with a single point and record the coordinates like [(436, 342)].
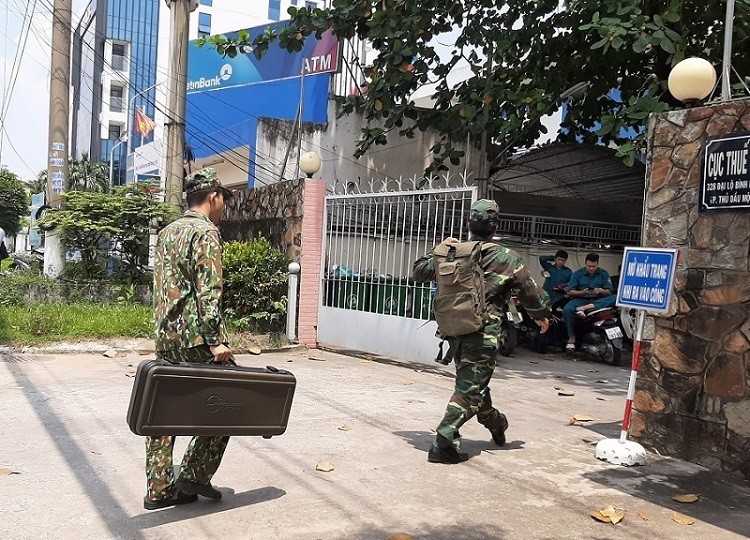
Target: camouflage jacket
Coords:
[(504, 270), (188, 284)]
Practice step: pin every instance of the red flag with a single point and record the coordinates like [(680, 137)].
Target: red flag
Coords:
[(143, 124)]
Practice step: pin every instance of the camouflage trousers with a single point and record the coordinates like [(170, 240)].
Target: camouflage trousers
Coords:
[(475, 359), (202, 456)]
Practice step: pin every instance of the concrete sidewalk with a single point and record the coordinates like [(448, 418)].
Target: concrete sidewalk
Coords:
[(79, 470)]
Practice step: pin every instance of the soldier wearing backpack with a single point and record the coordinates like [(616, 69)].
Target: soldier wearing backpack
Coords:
[(470, 277)]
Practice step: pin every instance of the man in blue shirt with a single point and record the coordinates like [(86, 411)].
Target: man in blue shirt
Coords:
[(589, 288), (556, 273)]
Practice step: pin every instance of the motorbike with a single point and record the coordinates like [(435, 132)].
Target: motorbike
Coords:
[(512, 324), (599, 334)]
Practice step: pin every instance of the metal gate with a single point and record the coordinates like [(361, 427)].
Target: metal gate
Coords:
[(373, 235)]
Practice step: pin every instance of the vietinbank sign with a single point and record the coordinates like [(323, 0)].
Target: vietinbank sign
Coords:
[(208, 70)]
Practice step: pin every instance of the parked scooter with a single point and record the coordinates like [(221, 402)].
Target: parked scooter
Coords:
[(598, 333), (512, 322)]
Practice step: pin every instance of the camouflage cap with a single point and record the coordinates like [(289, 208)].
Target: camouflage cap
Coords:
[(205, 179), (484, 206)]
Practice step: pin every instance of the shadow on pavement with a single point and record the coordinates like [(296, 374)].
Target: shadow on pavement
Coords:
[(203, 507), (422, 440), (610, 430), (724, 500)]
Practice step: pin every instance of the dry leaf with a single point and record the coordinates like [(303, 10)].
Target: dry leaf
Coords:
[(533, 361), (5, 471), (419, 370), (566, 393), (683, 520), (558, 388), (574, 422), (324, 466), (316, 358), (603, 381), (406, 383), (609, 514), (345, 427), (685, 498), (110, 353), (644, 517), (583, 418), (415, 401), (593, 371), (600, 398), (130, 374)]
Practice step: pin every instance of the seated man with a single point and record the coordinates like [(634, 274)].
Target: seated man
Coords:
[(558, 273), (589, 288)]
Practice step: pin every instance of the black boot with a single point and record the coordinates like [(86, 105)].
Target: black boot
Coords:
[(498, 433), (443, 451)]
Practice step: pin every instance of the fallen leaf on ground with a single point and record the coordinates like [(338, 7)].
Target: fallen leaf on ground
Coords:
[(406, 382), (683, 520), (600, 398), (419, 370), (130, 374), (415, 401), (324, 466), (593, 371), (110, 353), (254, 350), (290, 360), (345, 427), (558, 387), (533, 361), (317, 358), (574, 422), (685, 497), (603, 381), (608, 514), (566, 393), (644, 517), (583, 418), (5, 471)]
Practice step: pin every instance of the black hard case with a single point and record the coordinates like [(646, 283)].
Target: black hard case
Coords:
[(209, 399)]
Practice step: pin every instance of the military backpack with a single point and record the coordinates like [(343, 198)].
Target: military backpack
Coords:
[(460, 305)]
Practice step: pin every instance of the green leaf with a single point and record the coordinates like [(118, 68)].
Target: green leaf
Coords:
[(667, 45), (601, 43)]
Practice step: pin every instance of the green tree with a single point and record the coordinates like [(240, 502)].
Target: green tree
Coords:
[(535, 51), (14, 204), (90, 221), (86, 175)]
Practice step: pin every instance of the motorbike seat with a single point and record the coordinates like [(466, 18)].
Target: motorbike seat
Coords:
[(597, 311)]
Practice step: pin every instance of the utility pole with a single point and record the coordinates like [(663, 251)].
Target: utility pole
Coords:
[(484, 173), (726, 67), (174, 124), (59, 108)]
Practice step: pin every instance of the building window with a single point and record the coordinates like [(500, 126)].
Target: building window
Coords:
[(118, 56), (116, 99), (115, 131), (274, 9), (311, 5), (204, 24), (207, 2)]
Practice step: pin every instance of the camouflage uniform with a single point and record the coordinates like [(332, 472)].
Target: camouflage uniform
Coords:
[(475, 353), (188, 319)]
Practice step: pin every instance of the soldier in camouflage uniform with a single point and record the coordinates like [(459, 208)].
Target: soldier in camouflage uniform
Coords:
[(475, 354), (189, 328)]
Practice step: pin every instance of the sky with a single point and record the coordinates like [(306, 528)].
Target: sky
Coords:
[(26, 118)]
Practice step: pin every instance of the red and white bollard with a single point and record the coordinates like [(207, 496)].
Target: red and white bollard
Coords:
[(622, 451)]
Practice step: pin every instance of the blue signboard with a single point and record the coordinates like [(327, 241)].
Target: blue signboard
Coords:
[(646, 278), (208, 70)]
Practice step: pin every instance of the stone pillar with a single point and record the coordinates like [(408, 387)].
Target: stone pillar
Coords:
[(693, 391), (311, 260)]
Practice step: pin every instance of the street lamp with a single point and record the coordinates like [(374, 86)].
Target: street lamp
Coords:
[(692, 80), (309, 163), (123, 138)]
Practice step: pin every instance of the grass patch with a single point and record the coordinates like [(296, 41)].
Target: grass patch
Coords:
[(36, 324)]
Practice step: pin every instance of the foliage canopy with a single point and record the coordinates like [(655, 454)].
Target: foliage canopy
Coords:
[(535, 51), (14, 204)]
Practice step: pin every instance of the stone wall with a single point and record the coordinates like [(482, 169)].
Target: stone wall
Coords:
[(693, 393), (273, 212)]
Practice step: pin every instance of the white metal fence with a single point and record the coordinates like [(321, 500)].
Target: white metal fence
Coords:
[(374, 236)]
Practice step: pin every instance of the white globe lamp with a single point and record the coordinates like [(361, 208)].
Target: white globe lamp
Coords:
[(692, 80), (309, 163)]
